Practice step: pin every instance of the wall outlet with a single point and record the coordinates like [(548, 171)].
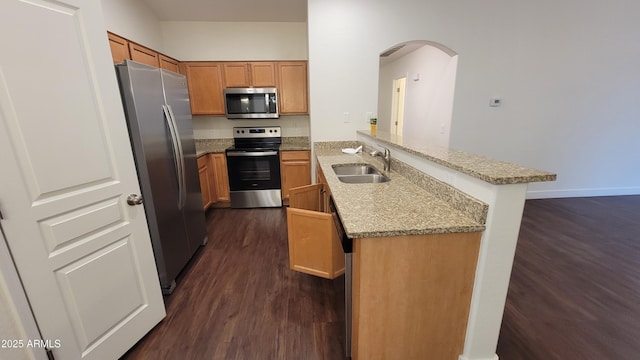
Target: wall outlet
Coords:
[(367, 116)]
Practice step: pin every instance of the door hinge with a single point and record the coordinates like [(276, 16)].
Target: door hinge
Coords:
[(49, 354)]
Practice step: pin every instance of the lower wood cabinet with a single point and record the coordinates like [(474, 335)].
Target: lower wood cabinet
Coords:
[(314, 244), (412, 294), (205, 181), (214, 180), (218, 164), (295, 169)]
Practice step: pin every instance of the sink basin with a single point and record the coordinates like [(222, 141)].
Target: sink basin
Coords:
[(355, 170), (363, 179), (359, 174)]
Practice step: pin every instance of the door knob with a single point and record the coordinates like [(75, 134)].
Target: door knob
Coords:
[(134, 199)]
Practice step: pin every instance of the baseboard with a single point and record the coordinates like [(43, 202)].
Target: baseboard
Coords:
[(549, 194), (465, 357)]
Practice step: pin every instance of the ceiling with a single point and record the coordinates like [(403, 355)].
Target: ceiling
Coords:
[(229, 10)]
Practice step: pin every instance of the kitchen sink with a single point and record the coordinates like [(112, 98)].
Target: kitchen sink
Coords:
[(359, 174), (355, 170), (363, 179)]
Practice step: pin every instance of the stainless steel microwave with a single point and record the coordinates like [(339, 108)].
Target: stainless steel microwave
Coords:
[(251, 103)]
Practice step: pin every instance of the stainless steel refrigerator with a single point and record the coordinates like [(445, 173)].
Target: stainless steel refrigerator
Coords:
[(156, 104)]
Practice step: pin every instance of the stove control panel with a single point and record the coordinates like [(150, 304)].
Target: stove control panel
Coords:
[(256, 132)]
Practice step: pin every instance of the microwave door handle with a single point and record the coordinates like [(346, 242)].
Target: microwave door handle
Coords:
[(267, 102)]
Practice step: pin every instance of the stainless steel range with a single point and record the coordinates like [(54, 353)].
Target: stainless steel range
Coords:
[(253, 163)]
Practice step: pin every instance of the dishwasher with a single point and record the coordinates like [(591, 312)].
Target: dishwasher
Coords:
[(347, 247)]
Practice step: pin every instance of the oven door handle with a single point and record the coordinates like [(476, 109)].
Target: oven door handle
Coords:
[(252, 153)]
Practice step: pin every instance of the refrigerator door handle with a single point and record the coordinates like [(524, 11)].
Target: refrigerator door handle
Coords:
[(183, 171), (176, 153)]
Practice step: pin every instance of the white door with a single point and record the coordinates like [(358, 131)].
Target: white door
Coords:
[(83, 254), (397, 106)]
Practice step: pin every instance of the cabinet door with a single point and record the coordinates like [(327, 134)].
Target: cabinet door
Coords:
[(296, 170), (314, 246), (236, 74), (320, 179), (119, 48), (292, 87), (168, 63), (143, 55), (263, 74), (221, 177), (204, 80), (205, 181)]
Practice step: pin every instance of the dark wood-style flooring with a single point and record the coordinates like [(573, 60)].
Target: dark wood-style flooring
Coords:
[(574, 291), (575, 285), (239, 300)]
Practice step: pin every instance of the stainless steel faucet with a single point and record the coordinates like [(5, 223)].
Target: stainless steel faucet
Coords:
[(386, 157)]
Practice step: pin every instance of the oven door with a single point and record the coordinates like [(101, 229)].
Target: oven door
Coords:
[(254, 178)]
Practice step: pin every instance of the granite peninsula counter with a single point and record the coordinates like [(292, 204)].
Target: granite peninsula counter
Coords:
[(388, 265), (394, 208), (415, 248)]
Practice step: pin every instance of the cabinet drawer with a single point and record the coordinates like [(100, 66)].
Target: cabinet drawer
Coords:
[(295, 155), (202, 161)]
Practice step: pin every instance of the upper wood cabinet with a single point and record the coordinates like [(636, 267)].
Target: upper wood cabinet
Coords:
[(119, 48), (143, 55), (249, 74), (263, 74), (236, 74), (168, 63), (205, 84), (293, 93)]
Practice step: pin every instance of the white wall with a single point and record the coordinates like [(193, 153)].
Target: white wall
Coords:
[(566, 71), (133, 20), (431, 75), (195, 41)]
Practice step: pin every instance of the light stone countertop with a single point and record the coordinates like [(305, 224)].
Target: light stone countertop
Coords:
[(395, 208), (206, 146), (486, 169)]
